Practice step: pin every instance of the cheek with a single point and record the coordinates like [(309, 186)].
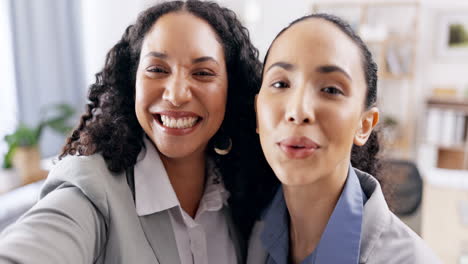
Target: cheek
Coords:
[(218, 98), (141, 96), (340, 124), (145, 96), (213, 97), (268, 113)]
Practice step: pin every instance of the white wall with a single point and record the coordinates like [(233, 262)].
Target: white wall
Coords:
[(103, 24), (275, 15), (436, 71)]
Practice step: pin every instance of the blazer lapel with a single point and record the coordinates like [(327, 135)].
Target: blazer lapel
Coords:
[(256, 253), (160, 235), (158, 230), (376, 216), (239, 243)]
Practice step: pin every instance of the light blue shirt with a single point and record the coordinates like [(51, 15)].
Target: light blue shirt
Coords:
[(341, 240)]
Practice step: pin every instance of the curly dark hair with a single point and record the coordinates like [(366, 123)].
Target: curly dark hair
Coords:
[(110, 127), (366, 157)]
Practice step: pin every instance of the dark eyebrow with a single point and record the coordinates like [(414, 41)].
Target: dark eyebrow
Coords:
[(164, 56), (157, 55), (203, 59), (332, 68), (281, 64)]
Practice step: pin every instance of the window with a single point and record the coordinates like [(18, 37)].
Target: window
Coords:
[(8, 102)]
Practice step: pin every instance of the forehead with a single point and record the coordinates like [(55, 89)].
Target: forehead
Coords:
[(183, 32), (316, 41)]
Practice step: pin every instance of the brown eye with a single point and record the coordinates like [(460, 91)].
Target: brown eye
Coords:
[(280, 85), (332, 90), (156, 70), (204, 73)]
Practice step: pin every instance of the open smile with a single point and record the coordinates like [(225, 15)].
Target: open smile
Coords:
[(177, 122)]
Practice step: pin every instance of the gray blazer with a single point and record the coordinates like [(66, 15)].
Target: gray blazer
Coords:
[(87, 214), (384, 239)]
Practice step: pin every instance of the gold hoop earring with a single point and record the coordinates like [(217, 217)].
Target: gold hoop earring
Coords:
[(224, 151)]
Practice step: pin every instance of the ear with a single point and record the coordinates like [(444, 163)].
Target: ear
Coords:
[(368, 121), (256, 119)]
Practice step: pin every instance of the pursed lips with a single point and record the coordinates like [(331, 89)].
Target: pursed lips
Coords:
[(298, 147)]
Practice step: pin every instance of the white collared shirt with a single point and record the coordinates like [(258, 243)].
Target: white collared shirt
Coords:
[(203, 240)]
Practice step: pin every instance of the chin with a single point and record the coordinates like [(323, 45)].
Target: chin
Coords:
[(294, 178), (173, 150), (296, 182), (176, 152)]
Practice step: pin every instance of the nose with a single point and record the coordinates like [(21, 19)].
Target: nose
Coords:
[(298, 110), (177, 91)]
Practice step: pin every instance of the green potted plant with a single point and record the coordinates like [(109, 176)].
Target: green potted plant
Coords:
[(390, 128), (23, 150)]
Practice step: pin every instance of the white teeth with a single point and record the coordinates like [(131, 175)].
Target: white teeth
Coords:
[(184, 122)]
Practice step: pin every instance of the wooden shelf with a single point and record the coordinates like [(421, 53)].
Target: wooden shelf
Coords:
[(449, 104), (452, 156), (452, 148)]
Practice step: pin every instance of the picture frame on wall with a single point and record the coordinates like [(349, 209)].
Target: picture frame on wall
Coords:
[(452, 35)]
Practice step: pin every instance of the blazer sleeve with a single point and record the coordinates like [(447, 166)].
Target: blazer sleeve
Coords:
[(63, 227)]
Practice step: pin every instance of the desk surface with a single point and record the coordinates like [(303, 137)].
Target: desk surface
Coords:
[(443, 224)]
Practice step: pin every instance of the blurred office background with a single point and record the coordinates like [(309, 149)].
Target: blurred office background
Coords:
[(51, 49)]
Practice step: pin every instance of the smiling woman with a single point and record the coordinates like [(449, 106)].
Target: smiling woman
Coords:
[(181, 90)]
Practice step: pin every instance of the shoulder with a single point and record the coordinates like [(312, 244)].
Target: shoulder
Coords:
[(89, 174), (400, 244), (385, 238), (80, 164)]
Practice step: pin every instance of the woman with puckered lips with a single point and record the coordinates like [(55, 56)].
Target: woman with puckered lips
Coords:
[(316, 113)]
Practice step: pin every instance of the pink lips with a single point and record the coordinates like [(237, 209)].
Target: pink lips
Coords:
[(176, 114), (298, 147)]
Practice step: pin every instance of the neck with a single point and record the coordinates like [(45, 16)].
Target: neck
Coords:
[(310, 207), (187, 176)]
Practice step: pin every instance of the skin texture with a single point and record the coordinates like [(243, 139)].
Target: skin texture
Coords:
[(182, 68), (313, 87)]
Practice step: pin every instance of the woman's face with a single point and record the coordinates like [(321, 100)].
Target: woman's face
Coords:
[(310, 108), (181, 85)]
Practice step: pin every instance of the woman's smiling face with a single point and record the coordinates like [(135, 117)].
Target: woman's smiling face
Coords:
[(181, 85), (310, 108)]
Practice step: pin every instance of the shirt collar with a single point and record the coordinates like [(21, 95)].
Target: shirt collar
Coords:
[(154, 191), (342, 233), (215, 195)]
